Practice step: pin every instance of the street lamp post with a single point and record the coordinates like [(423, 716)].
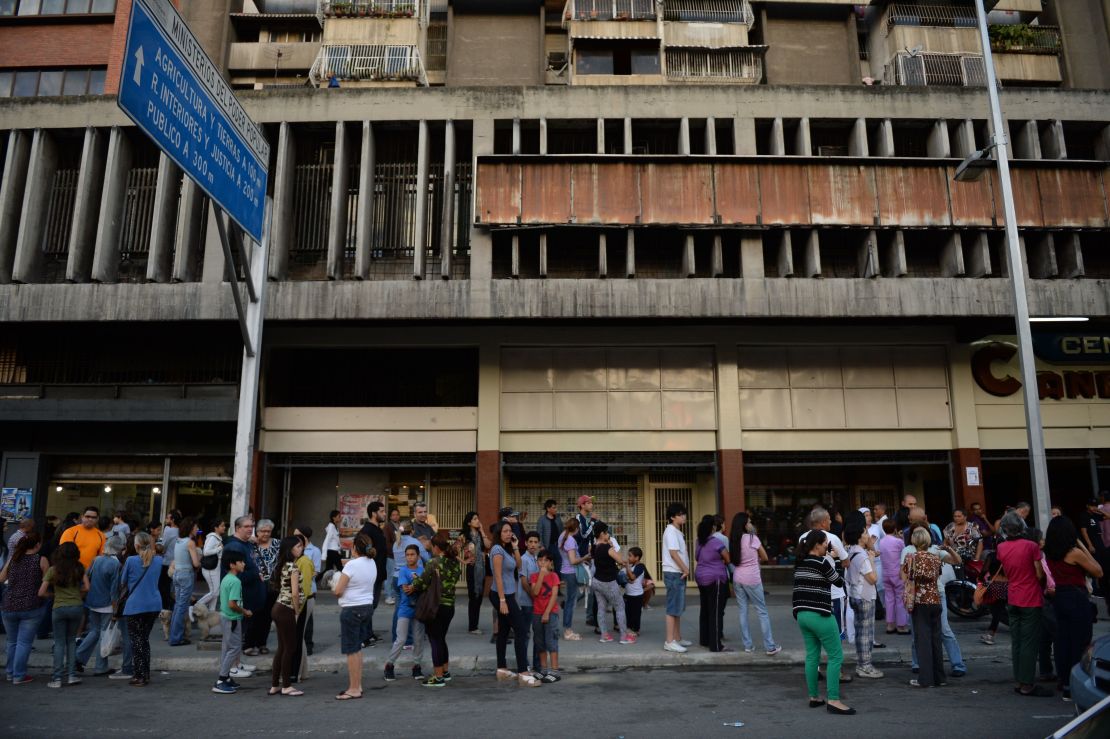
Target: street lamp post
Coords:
[(1038, 463)]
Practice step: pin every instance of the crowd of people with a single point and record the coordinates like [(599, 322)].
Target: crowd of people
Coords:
[(100, 588)]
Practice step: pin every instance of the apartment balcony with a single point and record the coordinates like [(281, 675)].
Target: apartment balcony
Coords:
[(709, 11), (935, 70), (1027, 54), (369, 8), (609, 10), (271, 57), (368, 65), (742, 66)]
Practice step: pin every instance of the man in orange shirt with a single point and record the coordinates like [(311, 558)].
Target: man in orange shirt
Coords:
[(88, 538)]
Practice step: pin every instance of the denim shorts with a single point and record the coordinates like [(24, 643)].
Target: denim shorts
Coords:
[(354, 627), (546, 635), (676, 593)]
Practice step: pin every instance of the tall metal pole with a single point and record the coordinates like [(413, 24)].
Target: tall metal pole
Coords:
[(1038, 463)]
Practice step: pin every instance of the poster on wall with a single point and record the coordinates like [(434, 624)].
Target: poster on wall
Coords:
[(15, 504), (352, 513)]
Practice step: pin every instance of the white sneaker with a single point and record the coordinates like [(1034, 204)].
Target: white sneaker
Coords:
[(869, 671), (54, 684), (685, 643), (390, 601), (673, 646), (528, 680), (240, 673), (120, 676), (248, 668), (503, 674)]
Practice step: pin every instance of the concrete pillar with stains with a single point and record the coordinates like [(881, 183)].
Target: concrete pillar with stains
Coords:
[(188, 232), (420, 235), (785, 258), (1069, 255), (952, 256), (1052, 140), (893, 259), (13, 180), (977, 260), (337, 212), (937, 145), (803, 142), (857, 142), (751, 256), (281, 226), (867, 256), (113, 198), (447, 214), (86, 207), (43, 166), (743, 136), (364, 224), (163, 224)]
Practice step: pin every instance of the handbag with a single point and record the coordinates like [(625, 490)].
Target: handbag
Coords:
[(122, 602), (210, 561), (909, 594), (427, 607), (581, 574), (109, 639)]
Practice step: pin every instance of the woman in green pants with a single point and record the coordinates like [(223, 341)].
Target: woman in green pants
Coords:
[(814, 575)]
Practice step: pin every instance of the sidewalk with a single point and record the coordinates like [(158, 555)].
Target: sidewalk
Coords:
[(474, 654)]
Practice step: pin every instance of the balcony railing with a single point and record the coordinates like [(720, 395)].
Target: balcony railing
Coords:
[(610, 10), (709, 11), (951, 70), (1024, 39), (374, 62), (369, 8), (939, 16), (735, 65)]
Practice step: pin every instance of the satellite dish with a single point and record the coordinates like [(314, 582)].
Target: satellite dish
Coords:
[(915, 50)]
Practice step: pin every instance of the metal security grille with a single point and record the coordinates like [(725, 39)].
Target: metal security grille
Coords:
[(734, 64), (311, 206), (138, 210), (943, 16), (393, 217), (449, 504), (437, 45), (664, 496), (952, 70), (709, 11), (59, 219), (617, 501), (350, 240)]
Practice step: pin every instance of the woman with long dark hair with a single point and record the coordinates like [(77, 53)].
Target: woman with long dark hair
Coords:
[(66, 578), (504, 558), (568, 571), (23, 609), (332, 559), (213, 547), (814, 577), (746, 553), (476, 543), (711, 575), (1070, 565), (285, 581), (185, 559), (445, 564), (139, 583), (355, 588)]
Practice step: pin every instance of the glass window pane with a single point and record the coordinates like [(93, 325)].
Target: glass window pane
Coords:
[(77, 6), (103, 6), (25, 84), (53, 7), (96, 81), (50, 83), (594, 61), (645, 61), (29, 7), (77, 81), (7, 7), (6, 84)]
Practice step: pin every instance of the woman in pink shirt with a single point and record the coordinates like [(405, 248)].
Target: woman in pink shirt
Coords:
[(890, 554), (746, 553), (1021, 560)]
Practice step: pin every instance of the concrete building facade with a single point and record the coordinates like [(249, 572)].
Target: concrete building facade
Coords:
[(696, 251)]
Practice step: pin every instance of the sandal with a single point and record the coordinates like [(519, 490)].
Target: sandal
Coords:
[(293, 692), (1038, 691), (263, 650), (816, 702), (273, 691), (345, 696)]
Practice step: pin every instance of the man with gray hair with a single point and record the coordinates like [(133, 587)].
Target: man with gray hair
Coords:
[(254, 587), (819, 519)]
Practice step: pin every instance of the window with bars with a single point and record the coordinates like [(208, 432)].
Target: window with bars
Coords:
[(138, 212), (730, 64), (312, 183), (666, 494), (59, 219), (617, 500)]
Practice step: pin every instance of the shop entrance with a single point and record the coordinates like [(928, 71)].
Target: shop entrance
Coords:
[(1074, 476)]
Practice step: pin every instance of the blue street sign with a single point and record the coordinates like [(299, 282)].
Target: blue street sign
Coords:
[(174, 93)]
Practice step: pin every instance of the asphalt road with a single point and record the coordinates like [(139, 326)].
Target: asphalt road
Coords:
[(654, 703)]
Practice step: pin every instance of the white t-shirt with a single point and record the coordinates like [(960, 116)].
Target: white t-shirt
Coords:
[(836, 553), (861, 565), (331, 538), (673, 539), (360, 588), (876, 529)]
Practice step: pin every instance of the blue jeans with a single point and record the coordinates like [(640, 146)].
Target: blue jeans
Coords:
[(947, 639), (390, 578), (21, 627), (183, 582), (571, 582), (97, 623), (66, 620), (675, 582), (753, 594)]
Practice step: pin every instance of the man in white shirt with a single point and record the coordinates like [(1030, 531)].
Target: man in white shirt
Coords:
[(819, 519), (676, 570)]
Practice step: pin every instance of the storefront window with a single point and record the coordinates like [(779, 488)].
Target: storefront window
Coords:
[(136, 499)]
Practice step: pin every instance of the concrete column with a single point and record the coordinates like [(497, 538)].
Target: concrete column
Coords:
[(337, 215), (86, 208), (36, 205), (717, 264), (112, 201), (364, 219), (894, 256), (281, 227), (884, 139), (421, 230), (600, 135), (952, 256), (711, 136), (751, 256), (730, 467), (857, 144), (481, 244), (937, 146), (689, 268), (684, 136), (977, 257), (543, 136), (630, 253), (488, 474), (627, 135), (811, 257), (543, 253), (1069, 256), (786, 254), (1041, 256), (602, 255), (778, 139), (743, 136), (1026, 142), (967, 494), (447, 216), (516, 255), (163, 224), (516, 136), (188, 232), (867, 258), (963, 144), (14, 178), (1052, 141), (803, 143)]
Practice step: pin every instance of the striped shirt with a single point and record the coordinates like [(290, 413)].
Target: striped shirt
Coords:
[(813, 578)]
